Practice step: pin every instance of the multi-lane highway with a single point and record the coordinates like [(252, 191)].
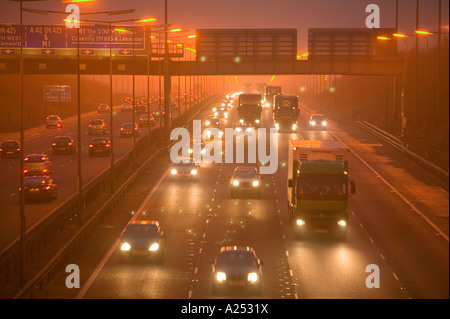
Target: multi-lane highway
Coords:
[(398, 222)]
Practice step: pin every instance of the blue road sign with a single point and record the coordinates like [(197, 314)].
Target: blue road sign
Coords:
[(57, 93), (59, 37)]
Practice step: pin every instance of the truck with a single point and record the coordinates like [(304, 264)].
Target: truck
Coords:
[(318, 187), (249, 108), (270, 93), (285, 112)]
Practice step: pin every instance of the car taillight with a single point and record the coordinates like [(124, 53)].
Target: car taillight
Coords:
[(45, 170), (1, 149), (70, 144), (90, 145), (25, 171), (89, 125), (121, 128), (59, 125), (107, 145), (53, 144), (47, 188), (18, 149)]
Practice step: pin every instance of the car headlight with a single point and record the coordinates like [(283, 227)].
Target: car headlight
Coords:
[(238, 129), (207, 123), (221, 276), (235, 183), (277, 126), (252, 277), (300, 222), (203, 151), (255, 183), (313, 123), (342, 223), (324, 123), (154, 247), (214, 109), (190, 151), (294, 127), (249, 129), (194, 172), (220, 133), (267, 104), (125, 247), (257, 121), (174, 171)]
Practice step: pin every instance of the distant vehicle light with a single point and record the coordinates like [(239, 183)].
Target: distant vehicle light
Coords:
[(173, 171), (324, 123), (235, 183), (255, 183), (300, 222), (207, 123), (194, 172), (342, 223), (125, 247), (257, 121), (154, 247), (313, 123)]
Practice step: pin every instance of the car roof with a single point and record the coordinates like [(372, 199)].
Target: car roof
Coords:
[(248, 168), (236, 248), (144, 222)]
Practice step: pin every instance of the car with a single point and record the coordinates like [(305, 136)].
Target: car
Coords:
[(142, 239), (53, 121), (126, 129), (318, 121), (220, 111), (103, 108), (202, 146), (63, 144), (97, 126), (144, 120), (213, 123), (140, 108), (185, 168), (37, 164), (100, 146), (38, 188), (236, 267), (244, 127), (126, 107), (245, 179), (10, 148)]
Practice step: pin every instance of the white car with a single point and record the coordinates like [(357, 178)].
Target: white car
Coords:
[(318, 121), (53, 121)]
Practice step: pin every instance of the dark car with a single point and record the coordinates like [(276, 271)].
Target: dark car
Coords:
[(236, 268), (39, 188), (140, 108), (245, 179), (185, 168), (126, 129), (126, 107), (10, 148), (103, 108), (144, 120), (142, 238), (100, 146), (37, 164), (63, 144)]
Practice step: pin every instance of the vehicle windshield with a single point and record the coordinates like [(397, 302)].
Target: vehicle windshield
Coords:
[(99, 141), (96, 122), (141, 231), (245, 173), (10, 144), (318, 118), (321, 186), (231, 258), (63, 139), (35, 180)]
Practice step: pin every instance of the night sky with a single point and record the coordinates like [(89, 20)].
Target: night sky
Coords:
[(205, 14)]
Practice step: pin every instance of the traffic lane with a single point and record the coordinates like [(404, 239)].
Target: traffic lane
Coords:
[(245, 221), (181, 207), (412, 248), (65, 174)]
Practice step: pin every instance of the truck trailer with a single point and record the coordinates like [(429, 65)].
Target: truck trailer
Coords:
[(318, 187), (285, 112)]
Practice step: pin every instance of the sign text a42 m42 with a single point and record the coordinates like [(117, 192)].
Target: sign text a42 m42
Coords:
[(60, 37)]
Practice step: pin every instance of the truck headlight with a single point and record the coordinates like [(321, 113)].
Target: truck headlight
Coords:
[(255, 183), (252, 277), (125, 247), (235, 183), (174, 171), (342, 223), (300, 222), (294, 127), (324, 123), (221, 276), (207, 123), (313, 123), (257, 121), (194, 172)]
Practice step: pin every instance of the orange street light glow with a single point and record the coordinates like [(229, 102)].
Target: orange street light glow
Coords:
[(147, 20), (190, 49), (423, 32), (399, 35), (273, 77), (175, 30), (192, 36), (383, 38), (120, 30), (73, 1)]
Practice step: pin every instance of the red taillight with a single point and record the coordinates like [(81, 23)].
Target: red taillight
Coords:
[(45, 170), (107, 145), (59, 125), (54, 144), (25, 159), (47, 188), (1, 149), (121, 128), (18, 149), (89, 125), (25, 171), (70, 144), (90, 145)]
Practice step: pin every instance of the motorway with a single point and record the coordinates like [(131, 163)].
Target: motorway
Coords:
[(39, 139), (398, 220)]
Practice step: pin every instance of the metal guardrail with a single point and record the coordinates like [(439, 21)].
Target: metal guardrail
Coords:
[(397, 143), (61, 258)]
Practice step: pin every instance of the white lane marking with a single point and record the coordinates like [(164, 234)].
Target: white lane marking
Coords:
[(413, 208), (116, 243)]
